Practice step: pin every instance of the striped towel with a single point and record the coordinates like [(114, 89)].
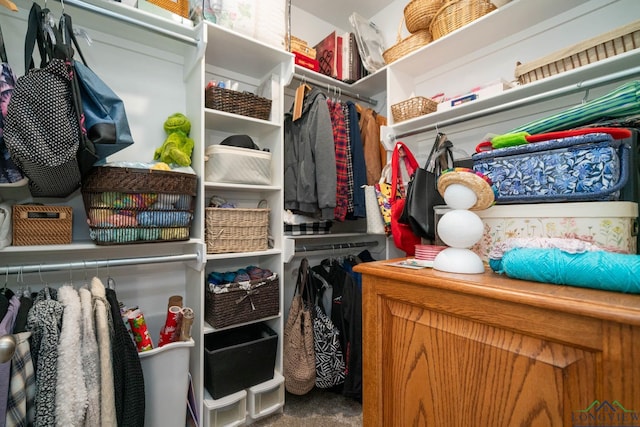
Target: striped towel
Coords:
[(623, 101)]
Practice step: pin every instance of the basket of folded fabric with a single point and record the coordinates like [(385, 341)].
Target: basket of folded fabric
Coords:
[(456, 14), (245, 295), (127, 205)]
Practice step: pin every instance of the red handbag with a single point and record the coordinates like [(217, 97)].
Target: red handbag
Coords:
[(403, 237)]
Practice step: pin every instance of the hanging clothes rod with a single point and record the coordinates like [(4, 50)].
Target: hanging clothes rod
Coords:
[(329, 247), (80, 265), (121, 17), (339, 91), (523, 102)]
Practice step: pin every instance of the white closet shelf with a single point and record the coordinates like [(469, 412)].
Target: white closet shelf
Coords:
[(139, 26), (232, 51), (368, 86), (237, 255), (240, 187), (207, 328), (515, 17), (234, 123), (573, 81)]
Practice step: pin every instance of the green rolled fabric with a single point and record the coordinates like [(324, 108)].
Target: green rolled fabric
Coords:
[(623, 101)]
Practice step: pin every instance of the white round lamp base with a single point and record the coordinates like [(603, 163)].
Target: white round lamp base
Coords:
[(457, 260)]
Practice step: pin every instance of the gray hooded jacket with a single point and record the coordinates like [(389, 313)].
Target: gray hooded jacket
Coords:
[(310, 159)]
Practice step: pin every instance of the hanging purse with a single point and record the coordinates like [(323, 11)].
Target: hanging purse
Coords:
[(403, 236), (106, 127), (41, 130), (330, 362), (422, 191), (299, 360)]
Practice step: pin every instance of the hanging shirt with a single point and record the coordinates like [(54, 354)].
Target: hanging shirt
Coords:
[(357, 160), (44, 322), (71, 391), (340, 145)]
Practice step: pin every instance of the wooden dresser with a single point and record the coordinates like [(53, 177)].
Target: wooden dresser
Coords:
[(456, 350)]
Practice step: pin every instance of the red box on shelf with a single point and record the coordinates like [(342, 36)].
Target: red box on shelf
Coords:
[(306, 62)]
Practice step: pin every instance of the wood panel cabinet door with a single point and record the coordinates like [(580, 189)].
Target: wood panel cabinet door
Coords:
[(440, 357)]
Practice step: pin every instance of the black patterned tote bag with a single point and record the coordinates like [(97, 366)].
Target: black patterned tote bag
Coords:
[(330, 366)]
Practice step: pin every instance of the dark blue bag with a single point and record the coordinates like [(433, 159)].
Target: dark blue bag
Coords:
[(105, 118)]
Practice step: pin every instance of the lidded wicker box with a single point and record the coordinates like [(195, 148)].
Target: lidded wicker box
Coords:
[(236, 229), (135, 205)]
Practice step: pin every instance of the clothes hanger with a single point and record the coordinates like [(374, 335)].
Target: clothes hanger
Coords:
[(9, 5)]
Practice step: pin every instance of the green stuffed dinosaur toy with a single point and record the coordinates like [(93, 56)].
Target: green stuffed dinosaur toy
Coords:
[(177, 148)]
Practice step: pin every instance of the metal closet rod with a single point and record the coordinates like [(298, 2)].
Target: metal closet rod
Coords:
[(79, 265), (523, 102), (339, 91), (327, 247), (86, 6)]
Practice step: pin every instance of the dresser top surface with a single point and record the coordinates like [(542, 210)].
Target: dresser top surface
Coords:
[(602, 304)]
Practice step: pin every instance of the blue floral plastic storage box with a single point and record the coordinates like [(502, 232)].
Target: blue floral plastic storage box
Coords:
[(578, 168)]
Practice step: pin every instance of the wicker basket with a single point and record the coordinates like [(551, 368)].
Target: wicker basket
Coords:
[(419, 13), (407, 45), (130, 205), (243, 302), (42, 225), (236, 230), (233, 101), (413, 107), (455, 14), (604, 46)]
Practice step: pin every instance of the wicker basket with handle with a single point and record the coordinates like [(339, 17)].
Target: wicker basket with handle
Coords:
[(419, 13), (42, 225), (407, 45), (456, 14)]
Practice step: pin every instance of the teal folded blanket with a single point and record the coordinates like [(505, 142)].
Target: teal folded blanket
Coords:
[(593, 269)]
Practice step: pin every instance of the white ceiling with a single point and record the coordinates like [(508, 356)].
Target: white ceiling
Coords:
[(337, 12)]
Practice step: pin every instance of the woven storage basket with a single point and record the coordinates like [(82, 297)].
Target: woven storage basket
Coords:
[(413, 107), (604, 46), (42, 225), (455, 14), (233, 101), (407, 45), (130, 205), (419, 13), (243, 302), (236, 230)]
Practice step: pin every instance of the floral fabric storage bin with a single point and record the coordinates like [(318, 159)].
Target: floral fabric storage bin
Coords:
[(579, 168), (611, 225)]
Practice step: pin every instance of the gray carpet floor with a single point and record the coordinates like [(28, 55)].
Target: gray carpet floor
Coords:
[(318, 408)]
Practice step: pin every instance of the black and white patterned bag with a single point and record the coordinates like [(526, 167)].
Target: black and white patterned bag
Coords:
[(330, 366), (41, 132)]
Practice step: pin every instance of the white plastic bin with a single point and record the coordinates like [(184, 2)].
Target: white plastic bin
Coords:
[(166, 383), (266, 398)]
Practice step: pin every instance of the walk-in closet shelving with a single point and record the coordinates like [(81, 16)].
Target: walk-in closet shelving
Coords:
[(488, 50), (265, 71)]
